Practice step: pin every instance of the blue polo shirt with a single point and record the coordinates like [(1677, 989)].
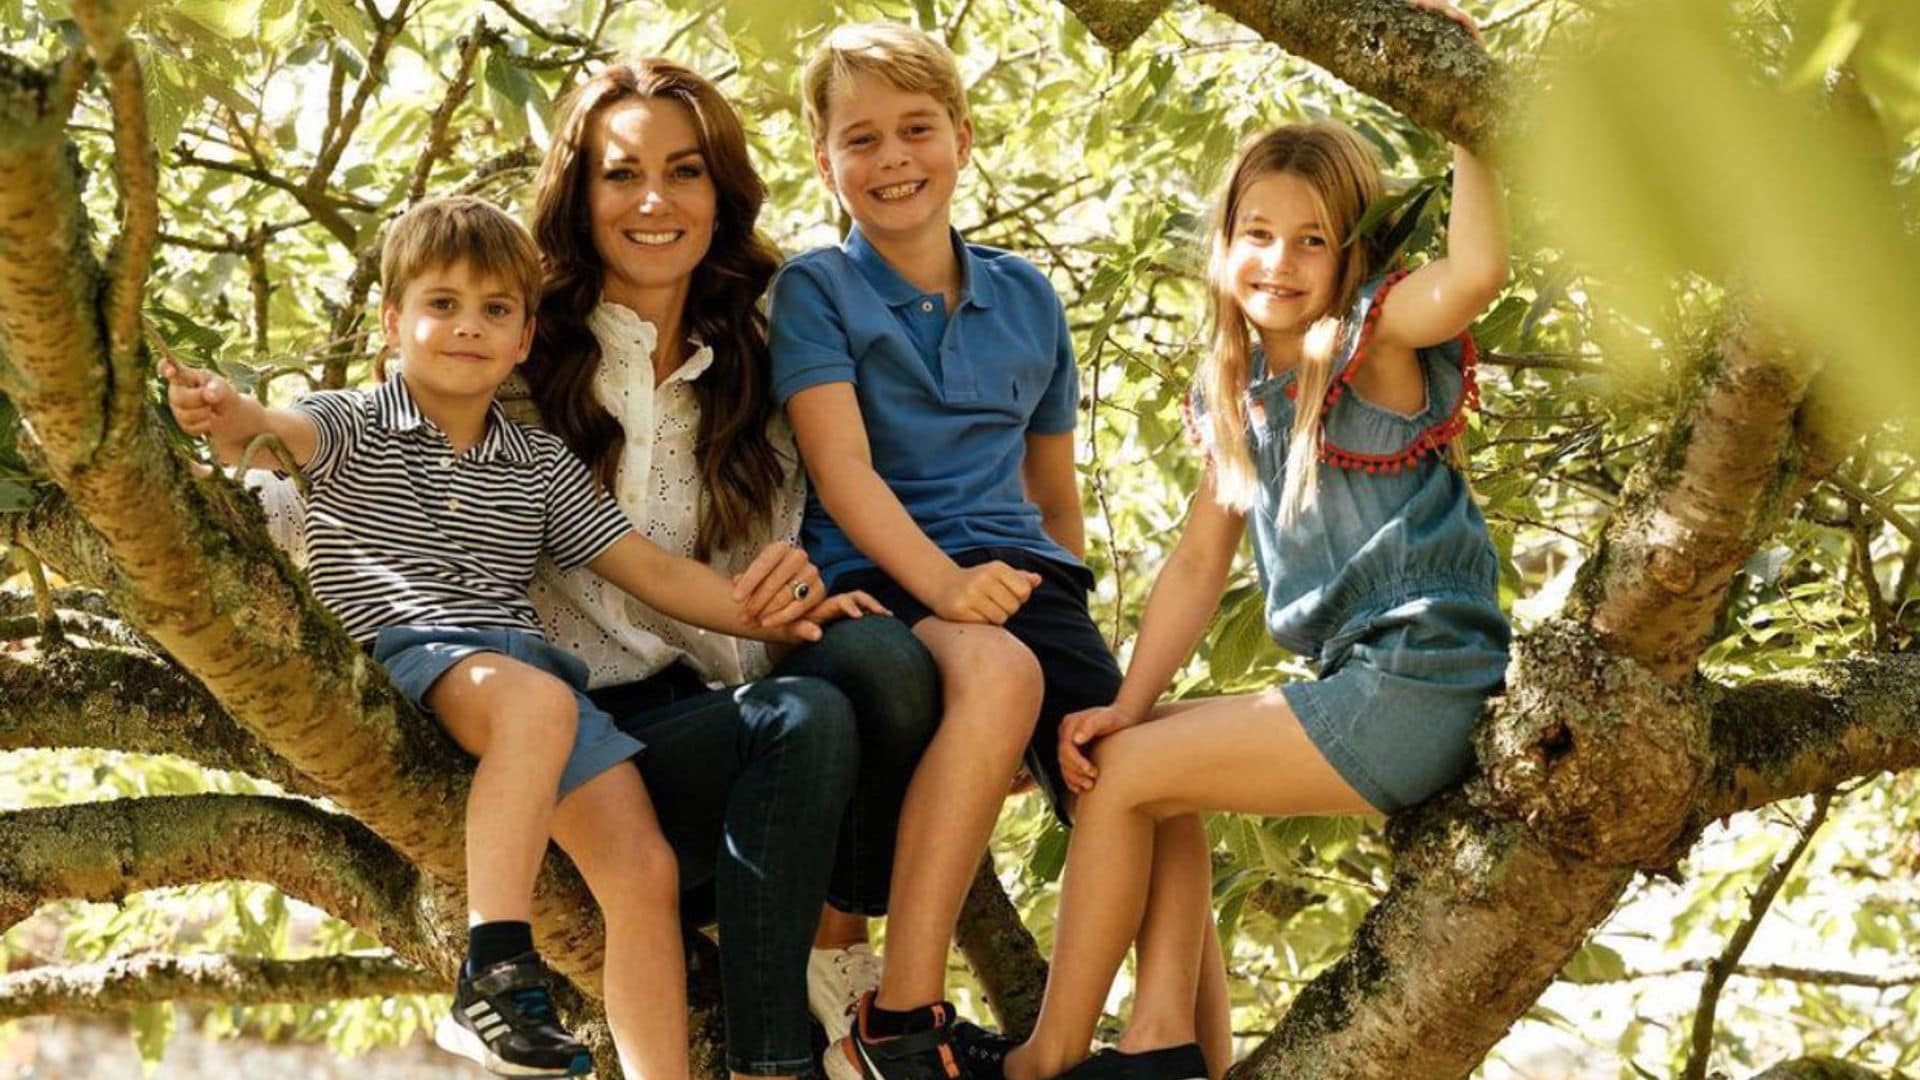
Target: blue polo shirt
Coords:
[(948, 398)]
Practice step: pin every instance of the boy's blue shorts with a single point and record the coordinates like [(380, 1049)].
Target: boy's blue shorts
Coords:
[(416, 656)]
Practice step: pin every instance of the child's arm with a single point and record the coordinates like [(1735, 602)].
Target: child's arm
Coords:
[(693, 592), (205, 404), (833, 443), (1054, 487), (1185, 595)]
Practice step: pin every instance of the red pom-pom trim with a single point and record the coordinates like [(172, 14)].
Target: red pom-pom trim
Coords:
[(1436, 437)]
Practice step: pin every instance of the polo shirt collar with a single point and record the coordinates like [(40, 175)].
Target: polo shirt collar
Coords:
[(395, 410), (976, 287)]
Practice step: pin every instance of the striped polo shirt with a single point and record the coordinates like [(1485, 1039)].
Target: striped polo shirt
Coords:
[(402, 531)]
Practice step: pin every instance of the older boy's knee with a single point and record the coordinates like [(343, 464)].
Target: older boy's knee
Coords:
[(992, 682)]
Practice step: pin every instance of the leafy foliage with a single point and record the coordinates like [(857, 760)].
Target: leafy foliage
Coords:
[(1682, 159)]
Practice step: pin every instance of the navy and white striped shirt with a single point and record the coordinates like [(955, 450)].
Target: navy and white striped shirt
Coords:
[(401, 531)]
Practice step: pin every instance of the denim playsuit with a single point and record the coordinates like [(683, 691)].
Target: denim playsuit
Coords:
[(1388, 582)]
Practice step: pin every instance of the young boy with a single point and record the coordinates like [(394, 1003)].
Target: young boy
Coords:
[(427, 512), (932, 386)]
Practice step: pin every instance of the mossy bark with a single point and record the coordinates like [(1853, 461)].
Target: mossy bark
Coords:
[(120, 985)]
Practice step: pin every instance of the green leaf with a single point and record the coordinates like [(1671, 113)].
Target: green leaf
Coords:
[(1049, 855), (152, 1026), (349, 22), (231, 19)]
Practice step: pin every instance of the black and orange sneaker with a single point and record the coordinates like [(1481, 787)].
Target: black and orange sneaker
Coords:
[(924, 1054)]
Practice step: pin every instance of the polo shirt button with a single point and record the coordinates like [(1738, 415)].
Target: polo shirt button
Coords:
[(446, 463), (926, 305), (453, 504)]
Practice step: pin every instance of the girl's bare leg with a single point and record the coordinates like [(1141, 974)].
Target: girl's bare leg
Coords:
[(1245, 754)]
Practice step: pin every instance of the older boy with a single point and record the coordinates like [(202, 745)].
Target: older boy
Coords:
[(427, 513), (932, 386)]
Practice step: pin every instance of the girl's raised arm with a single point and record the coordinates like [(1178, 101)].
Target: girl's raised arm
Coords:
[(1438, 301)]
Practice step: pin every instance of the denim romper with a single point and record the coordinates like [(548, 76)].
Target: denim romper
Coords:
[(1388, 583)]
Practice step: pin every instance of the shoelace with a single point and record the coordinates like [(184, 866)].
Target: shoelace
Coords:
[(534, 1002)]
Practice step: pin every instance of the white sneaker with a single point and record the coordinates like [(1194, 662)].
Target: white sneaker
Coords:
[(835, 980)]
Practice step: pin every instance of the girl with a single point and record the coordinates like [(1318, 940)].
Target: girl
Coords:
[(1327, 405)]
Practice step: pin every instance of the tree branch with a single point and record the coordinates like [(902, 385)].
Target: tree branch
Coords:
[(122, 985), (1807, 730), (1001, 952), (1697, 508), (1722, 966), (137, 174), (471, 44), (113, 699), (1116, 23), (102, 851), (1416, 61)]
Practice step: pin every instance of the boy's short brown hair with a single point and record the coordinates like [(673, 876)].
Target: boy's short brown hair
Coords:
[(460, 229), (909, 59)]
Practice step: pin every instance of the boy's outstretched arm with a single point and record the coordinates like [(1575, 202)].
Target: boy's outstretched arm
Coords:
[(1054, 487), (833, 443), (693, 592), (205, 404)]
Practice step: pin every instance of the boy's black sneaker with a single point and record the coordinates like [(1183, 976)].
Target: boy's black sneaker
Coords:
[(983, 1053), (922, 1055), (503, 1019), (1184, 1062)]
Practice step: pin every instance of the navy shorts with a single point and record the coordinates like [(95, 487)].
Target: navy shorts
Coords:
[(416, 656), (1076, 666)]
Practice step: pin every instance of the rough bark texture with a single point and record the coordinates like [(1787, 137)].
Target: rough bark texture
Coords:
[(1714, 491), (1002, 953), (1416, 61), (1433, 977), (121, 985), (102, 851), (112, 699), (1795, 734)]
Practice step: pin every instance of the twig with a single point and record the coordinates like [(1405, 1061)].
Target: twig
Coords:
[(1785, 973), (558, 37), (262, 289), (1889, 513), (46, 615), (1721, 967), (480, 37), (1549, 361), (271, 443)]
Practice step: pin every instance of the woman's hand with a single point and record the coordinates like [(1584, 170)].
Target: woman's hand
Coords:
[(1080, 729), (846, 605), (781, 585)]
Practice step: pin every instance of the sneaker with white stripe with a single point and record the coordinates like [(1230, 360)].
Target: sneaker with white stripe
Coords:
[(503, 1019)]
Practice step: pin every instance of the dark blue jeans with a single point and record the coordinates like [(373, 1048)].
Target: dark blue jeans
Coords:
[(777, 796)]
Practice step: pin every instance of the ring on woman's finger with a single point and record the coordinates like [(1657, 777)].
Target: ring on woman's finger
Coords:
[(800, 589)]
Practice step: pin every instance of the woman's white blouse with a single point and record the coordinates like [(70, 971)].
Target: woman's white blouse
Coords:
[(658, 485)]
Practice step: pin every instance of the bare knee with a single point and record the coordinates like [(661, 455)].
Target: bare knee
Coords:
[(1127, 781), (987, 669), (532, 713)]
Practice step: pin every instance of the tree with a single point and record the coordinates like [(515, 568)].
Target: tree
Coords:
[(1613, 749)]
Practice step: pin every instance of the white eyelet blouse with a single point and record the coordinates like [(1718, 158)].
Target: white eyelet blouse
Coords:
[(620, 639)]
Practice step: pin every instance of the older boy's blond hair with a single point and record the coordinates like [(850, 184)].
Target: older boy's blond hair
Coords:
[(460, 229), (909, 59)]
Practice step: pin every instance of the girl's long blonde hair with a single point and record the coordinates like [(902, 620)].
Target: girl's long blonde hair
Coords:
[(1344, 173)]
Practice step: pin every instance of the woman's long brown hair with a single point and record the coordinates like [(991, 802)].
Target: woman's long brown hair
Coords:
[(739, 469)]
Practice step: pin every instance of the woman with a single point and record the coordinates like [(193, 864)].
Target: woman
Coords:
[(783, 790)]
